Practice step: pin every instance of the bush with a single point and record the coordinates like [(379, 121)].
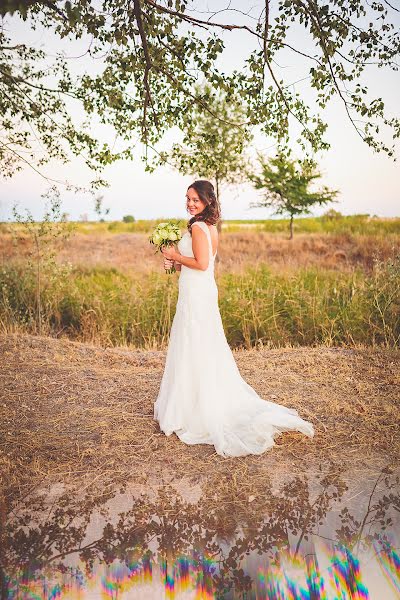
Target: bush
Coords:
[(331, 214)]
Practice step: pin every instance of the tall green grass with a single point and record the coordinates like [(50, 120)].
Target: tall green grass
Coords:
[(305, 307)]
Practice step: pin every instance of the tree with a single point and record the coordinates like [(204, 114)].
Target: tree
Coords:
[(285, 184), (128, 219), (45, 236), (332, 215), (99, 209), (151, 54), (213, 148)]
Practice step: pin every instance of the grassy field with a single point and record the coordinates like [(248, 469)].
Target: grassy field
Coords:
[(335, 287)]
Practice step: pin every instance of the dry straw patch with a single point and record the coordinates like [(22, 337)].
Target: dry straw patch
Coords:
[(131, 252), (73, 411)]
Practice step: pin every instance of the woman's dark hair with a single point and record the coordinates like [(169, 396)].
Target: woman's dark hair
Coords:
[(211, 213)]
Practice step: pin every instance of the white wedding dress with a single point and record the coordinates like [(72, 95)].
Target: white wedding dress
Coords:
[(202, 397)]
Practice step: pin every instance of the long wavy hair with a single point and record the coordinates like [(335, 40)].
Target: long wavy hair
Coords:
[(211, 213)]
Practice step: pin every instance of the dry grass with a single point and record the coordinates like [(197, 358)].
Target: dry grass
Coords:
[(131, 252), (73, 411)]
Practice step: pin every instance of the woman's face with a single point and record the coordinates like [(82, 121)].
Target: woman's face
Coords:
[(194, 204)]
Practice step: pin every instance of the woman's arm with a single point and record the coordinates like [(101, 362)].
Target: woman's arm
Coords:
[(200, 251)]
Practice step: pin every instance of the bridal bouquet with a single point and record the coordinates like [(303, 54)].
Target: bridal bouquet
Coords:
[(165, 234)]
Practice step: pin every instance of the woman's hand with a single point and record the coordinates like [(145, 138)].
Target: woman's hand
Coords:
[(168, 264), (169, 252)]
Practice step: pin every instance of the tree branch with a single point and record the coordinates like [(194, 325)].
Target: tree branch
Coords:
[(198, 101), (317, 22), (54, 8), (29, 164), (19, 79), (207, 24), (148, 97), (266, 26), (391, 6), (195, 21)]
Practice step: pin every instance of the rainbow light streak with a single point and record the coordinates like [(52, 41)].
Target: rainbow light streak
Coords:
[(27, 593), (278, 583), (291, 577), (168, 579), (48, 585), (163, 568), (286, 583), (187, 573), (55, 592), (389, 561), (147, 570), (315, 581), (296, 563), (120, 578), (270, 585), (204, 582), (183, 573), (169, 584), (109, 589), (346, 574)]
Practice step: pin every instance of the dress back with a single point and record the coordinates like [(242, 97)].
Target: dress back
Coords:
[(185, 248)]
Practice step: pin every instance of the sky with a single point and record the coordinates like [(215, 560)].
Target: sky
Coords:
[(367, 182)]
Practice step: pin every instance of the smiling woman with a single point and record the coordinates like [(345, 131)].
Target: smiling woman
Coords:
[(203, 205), (202, 397), (194, 204)]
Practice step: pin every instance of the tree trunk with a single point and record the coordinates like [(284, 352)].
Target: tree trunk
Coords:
[(291, 227)]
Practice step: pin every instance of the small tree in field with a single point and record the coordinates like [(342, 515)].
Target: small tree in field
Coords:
[(285, 185), (44, 236), (213, 148), (332, 215), (99, 209)]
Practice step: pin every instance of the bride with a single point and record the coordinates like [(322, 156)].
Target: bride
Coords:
[(202, 397)]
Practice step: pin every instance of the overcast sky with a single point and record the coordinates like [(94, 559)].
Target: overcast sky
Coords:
[(368, 182)]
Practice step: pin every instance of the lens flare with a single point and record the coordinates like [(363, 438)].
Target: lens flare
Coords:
[(327, 572), (389, 561)]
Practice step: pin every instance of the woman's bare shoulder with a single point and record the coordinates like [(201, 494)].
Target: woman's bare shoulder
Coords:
[(213, 230)]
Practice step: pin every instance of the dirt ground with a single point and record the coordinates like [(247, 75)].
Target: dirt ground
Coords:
[(71, 410)]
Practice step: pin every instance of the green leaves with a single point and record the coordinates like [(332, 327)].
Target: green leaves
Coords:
[(285, 185), (149, 55), (214, 145)]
